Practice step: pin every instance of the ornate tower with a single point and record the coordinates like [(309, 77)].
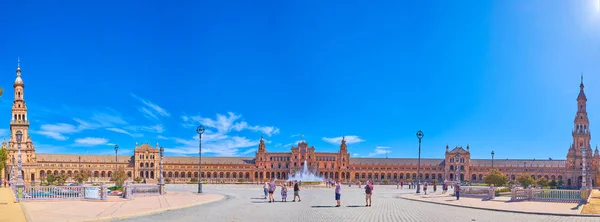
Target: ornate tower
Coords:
[(581, 140), (20, 122)]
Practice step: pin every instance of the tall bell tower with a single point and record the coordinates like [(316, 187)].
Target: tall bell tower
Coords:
[(20, 122), (581, 140)]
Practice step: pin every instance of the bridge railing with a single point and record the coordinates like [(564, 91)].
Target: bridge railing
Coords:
[(549, 195), (32, 193)]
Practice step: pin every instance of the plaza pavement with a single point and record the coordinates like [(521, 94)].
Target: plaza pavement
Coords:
[(9, 210), (500, 204), (246, 203), (114, 208)]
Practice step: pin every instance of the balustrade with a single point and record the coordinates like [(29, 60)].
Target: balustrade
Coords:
[(31, 193), (548, 195), (141, 190)]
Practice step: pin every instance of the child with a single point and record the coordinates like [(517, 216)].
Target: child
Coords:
[(283, 193)]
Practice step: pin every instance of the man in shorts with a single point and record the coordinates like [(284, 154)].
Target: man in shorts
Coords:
[(296, 191), (338, 192)]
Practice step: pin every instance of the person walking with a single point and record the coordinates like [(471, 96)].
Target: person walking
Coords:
[(425, 188), (266, 189), (401, 184), (457, 191), (296, 191), (368, 193), (4, 183), (283, 193), (444, 188), (272, 188)]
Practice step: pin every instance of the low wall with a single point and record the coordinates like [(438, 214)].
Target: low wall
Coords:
[(132, 190)]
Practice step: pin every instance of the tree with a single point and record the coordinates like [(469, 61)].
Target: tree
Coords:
[(495, 177), (542, 182), (82, 176), (50, 179), (119, 177), (553, 183), (137, 179), (525, 180), (560, 183), (3, 154), (60, 179)]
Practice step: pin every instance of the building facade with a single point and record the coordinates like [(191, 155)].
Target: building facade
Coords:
[(265, 165)]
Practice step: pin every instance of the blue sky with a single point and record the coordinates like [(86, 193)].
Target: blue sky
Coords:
[(500, 77)]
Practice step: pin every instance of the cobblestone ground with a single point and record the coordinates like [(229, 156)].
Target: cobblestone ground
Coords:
[(246, 203)]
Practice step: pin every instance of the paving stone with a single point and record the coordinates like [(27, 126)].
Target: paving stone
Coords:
[(245, 204)]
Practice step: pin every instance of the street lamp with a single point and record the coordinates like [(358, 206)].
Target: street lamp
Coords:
[(20, 184), (457, 160), (161, 181), (583, 169), (200, 130), (116, 158), (420, 136), (12, 171), (492, 159)]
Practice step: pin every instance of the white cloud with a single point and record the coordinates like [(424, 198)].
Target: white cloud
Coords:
[(91, 141), (162, 137), (295, 135), (226, 123), (4, 132), (118, 130), (217, 138), (355, 155), (338, 140), (380, 150), (292, 144), (152, 110), (57, 131), (249, 151)]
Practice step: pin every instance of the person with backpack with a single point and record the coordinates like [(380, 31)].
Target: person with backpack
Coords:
[(368, 193)]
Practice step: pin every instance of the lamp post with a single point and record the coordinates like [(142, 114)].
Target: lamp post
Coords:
[(457, 176), (161, 181), (583, 169), (492, 159), (20, 184), (12, 172), (116, 158), (200, 130), (420, 136)]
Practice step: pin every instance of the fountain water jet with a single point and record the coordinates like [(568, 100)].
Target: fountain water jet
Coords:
[(305, 175)]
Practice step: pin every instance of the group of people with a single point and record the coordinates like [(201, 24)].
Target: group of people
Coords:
[(368, 193), (270, 187)]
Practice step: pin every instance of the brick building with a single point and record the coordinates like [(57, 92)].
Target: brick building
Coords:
[(280, 165)]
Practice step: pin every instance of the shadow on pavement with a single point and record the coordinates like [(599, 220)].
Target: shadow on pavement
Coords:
[(256, 198), (355, 206), (323, 206)]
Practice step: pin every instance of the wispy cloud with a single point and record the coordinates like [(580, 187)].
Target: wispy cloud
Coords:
[(4, 132), (295, 135), (227, 123), (338, 140), (218, 136), (91, 141), (119, 130), (249, 151), (380, 150), (57, 131), (151, 110)]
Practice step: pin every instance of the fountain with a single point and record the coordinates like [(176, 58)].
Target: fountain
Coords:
[(306, 176)]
